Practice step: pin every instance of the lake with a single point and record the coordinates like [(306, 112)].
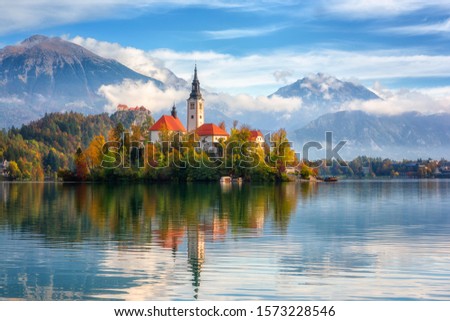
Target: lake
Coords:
[(350, 240)]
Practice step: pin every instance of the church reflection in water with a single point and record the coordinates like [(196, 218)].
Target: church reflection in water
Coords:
[(183, 218), (354, 240)]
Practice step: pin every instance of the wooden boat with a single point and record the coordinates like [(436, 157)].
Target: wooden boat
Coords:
[(330, 179)]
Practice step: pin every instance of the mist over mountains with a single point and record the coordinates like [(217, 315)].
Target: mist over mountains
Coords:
[(42, 75)]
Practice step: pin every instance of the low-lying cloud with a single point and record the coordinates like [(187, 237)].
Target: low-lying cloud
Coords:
[(236, 104), (433, 101), (138, 93)]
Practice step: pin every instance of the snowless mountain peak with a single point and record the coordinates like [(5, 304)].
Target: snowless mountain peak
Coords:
[(46, 74), (36, 39)]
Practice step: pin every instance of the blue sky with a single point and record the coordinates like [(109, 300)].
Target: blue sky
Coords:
[(255, 47)]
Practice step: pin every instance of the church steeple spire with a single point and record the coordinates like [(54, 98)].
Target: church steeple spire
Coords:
[(195, 108), (195, 93), (174, 111), (195, 73)]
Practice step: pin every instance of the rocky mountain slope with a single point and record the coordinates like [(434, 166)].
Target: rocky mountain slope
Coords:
[(43, 74), (400, 136)]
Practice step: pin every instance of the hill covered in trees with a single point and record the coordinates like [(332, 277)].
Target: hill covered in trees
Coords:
[(49, 144)]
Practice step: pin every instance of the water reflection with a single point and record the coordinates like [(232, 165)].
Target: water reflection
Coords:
[(145, 214), (132, 216), (206, 241)]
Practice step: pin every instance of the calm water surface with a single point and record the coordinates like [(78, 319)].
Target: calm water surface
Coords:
[(353, 240)]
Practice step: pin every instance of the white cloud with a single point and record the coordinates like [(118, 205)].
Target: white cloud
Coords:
[(282, 75), (437, 92), (152, 63), (11, 100), (136, 59), (429, 101), (244, 102), (422, 29), (255, 73), (136, 93), (380, 8), (242, 33), (184, 56), (256, 76), (22, 15)]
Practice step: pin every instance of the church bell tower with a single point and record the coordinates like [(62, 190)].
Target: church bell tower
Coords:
[(195, 107)]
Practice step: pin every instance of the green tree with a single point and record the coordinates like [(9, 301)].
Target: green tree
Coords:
[(116, 133), (52, 160)]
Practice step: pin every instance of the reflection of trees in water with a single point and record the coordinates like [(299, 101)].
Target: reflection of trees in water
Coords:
[(141, 213), (131, 214)]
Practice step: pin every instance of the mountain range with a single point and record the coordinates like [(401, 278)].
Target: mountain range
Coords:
[(43, 74), (407, 135)]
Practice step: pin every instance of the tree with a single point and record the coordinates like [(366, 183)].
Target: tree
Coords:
[(146, 124), (81, 166), (306, 172), (13, 170), (94, 153), (116, 133), (52, 160), (136, 133), (25, 168), (281, 152)]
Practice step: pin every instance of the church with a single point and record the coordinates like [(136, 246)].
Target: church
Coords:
[(209, 134)]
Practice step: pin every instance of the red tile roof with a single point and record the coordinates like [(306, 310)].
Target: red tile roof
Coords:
[(254, 134), (168, 122), (210, 130)]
